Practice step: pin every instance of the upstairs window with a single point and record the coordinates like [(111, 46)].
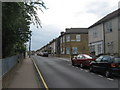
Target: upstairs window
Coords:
[(61, 40), (77, 37), (108, 26), (67, 38), (94, 34), (73, 37)]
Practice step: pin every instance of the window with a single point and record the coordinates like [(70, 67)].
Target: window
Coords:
[(110, 47), (92, 48), (73, 37), (108, 26), (106, 59), (117, 60), (99, 48), (61, 50), (87, 56), (99, 59), (68, 38), (74, 50), (94, 34), (63, 38), (67, 50), (77, 37), (119, 23), (81, 57)]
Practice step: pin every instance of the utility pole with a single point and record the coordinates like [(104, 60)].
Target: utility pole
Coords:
[(30, 46)]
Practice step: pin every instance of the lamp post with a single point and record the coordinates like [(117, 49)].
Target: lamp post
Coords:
[(30, 46)]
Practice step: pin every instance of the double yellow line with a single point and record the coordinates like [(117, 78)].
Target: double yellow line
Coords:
[(43, 81)]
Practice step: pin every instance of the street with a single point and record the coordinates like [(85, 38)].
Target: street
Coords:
[(59, 73)]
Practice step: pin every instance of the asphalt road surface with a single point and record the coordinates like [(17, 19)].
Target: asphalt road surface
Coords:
[(59, 73)]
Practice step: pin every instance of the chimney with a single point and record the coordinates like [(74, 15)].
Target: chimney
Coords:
[(68, 29), (62, 33)]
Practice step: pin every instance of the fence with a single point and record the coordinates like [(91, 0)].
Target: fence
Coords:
[(7, 63)]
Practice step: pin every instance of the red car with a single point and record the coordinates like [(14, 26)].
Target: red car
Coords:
[(82, 60)]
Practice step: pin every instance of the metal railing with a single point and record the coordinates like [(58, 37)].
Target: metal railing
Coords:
[(7, 63)]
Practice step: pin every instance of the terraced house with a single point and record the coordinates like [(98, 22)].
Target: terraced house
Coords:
[(112, 33), (74, 41), (104, 35)]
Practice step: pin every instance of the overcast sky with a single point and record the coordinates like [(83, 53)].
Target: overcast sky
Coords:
[(63, 14)]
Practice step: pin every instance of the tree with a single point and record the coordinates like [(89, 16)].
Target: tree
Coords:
[(16, 18)]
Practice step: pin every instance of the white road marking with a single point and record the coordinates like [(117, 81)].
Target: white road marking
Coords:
[(86, 70), (110, 79), (92, 73), (100, 75), (81, 69), (64, 59)]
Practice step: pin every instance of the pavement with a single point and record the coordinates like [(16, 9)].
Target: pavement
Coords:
[(25, 76)]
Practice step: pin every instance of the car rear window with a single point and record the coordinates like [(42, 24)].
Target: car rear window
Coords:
[(87, 56), (117, 60)]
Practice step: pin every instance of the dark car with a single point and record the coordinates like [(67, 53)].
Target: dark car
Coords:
[(45, 54), (82, 60), (108, 65)]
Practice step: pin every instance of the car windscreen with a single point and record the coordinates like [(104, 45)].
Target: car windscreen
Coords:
[(117, 60)]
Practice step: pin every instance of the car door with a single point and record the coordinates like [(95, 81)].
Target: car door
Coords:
[(79, 59), (103, 65), (96, 64)]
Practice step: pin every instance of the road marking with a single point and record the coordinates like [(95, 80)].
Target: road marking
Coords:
[(100, 75), (86, 70), (110, 79), (64, 59), (92, 73), (43, 81), (81, 69)]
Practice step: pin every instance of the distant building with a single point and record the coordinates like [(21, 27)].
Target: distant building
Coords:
[(74, 41)]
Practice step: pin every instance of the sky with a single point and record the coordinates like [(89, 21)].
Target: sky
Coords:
[(63, 14)]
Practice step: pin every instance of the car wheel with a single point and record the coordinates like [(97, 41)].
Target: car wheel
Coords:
[(91, 69), (107, 73), (81, 65)]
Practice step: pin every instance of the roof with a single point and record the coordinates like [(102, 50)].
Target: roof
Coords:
[(107, 17), (76, 31)]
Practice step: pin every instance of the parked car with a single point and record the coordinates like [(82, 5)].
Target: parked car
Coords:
[(82, 60), (45, 54), (108, 65), (40, 54)]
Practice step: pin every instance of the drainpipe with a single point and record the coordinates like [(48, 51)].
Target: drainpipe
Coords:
[(104, 38)]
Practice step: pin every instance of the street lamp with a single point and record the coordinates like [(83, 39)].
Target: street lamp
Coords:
[(29, 46)]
